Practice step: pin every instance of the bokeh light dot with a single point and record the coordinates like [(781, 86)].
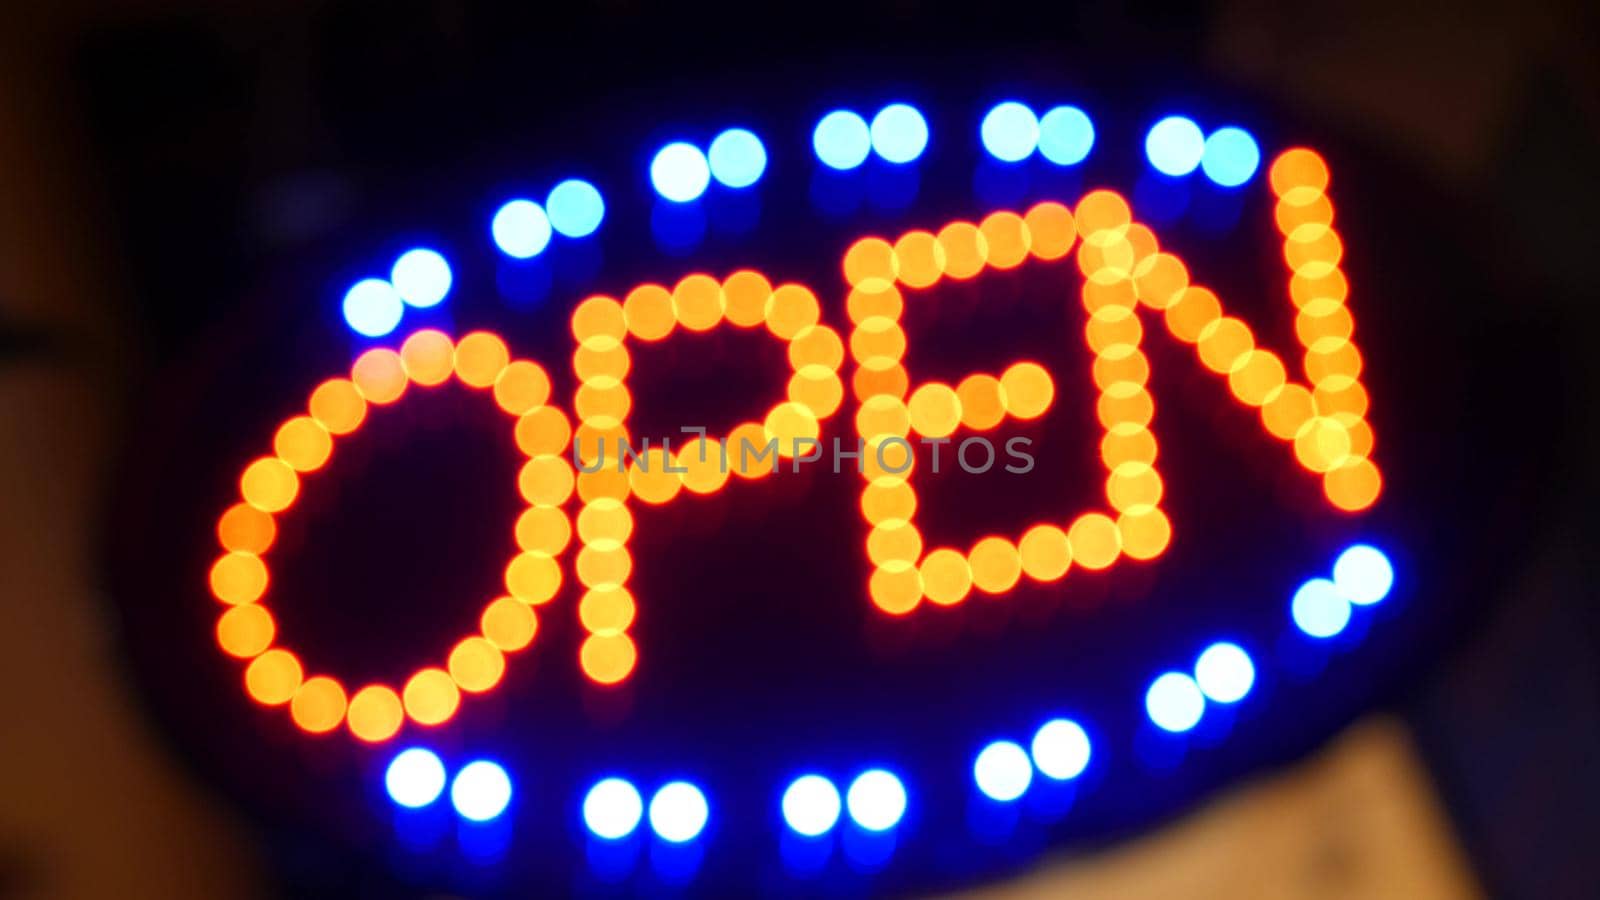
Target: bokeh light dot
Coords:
[(372, 307), (338, 406), (1319, 609), (1363, 574), (575, 208), (245, 631), (1231, 157), (1175, 145), (415, 778), (811, 805), (1003, 771), (273, 677), (679, 172), (612, 809), (375, 714), (521, 229), (876, 800), (318, 705), (1061, 749), (607, 658), (481, 791), (1174, 702), (421, 277), (303, 443), (899, 133), (508, 623), (476, 665), (431, 696), (1224, 672), (737, 158), (678, 812), (269, 484), (842, 140), (1010, 132), (238, 578), (1066, 135)]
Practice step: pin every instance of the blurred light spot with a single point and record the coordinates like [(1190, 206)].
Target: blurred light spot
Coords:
[(575, 208), (1319, 609), (1003, 771), (612, 809), (375, 714), (678, 812), (680, 172), (246, 630), (876, 800), (430, 696), (421, 277), (899, 134), (1175, 146), (1066, 135), (1230, 157), (842, 140), (415, 778), (811, 805), (521, 229), (737, 158), (481, 791), (607, 658), (273, 677), (372, 307), (1174, 702), (1010, 132), (1224, 672), (1061, 749), (1363, 574)]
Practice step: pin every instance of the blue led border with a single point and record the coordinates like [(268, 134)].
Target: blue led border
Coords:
[(681, 172), (876, 799)]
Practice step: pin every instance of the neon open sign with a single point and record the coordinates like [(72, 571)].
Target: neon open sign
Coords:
[(853, 395)]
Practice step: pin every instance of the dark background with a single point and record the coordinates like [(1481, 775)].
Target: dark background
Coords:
[(165, 166)]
